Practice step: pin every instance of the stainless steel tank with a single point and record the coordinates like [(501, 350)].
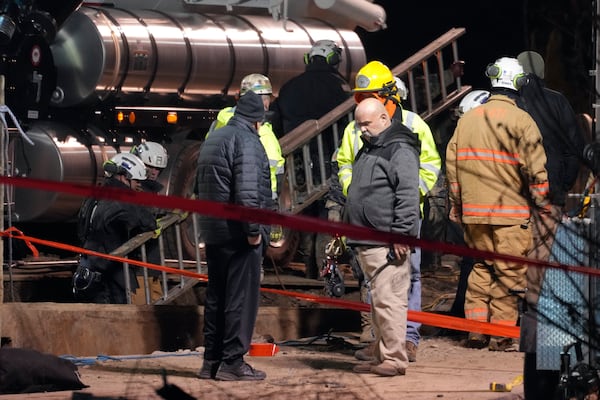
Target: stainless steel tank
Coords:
[(57, 155), (104, 51), (100, 51)]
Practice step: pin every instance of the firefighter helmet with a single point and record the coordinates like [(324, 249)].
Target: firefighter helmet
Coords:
[(472, 100), (326, 49), (152, 154), (506, 72), (126, 164), (258, 83), (374, 77)]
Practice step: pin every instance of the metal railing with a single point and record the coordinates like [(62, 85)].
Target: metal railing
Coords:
[(305, 150), (169, 221)]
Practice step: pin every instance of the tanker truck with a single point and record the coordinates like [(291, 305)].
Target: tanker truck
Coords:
[(85, 80)]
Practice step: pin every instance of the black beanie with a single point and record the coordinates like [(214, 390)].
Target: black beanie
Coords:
[(250, 107)]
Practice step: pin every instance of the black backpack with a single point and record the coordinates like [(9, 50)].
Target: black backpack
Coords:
[(84, 218)]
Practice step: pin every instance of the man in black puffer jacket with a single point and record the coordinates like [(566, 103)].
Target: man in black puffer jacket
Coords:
[(563, 142), (233, 168), (384, 195)]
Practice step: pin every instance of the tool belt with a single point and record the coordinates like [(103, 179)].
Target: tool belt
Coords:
[(84, 278)]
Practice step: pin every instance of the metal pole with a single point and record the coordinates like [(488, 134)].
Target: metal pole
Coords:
[(596, 70), (3, 144)]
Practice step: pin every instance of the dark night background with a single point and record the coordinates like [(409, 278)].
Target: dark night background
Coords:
[(560, 30)]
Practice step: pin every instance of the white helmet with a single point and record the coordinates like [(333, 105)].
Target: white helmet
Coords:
[(126, 164), (258, 83), (152, 154), (402, 89), (506, 72), (472, 100), (326, 49)]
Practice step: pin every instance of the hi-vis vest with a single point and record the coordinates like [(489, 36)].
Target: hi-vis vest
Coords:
[(430, 160), (268, 140)]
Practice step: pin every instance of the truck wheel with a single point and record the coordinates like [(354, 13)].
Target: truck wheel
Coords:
[(182, 183)]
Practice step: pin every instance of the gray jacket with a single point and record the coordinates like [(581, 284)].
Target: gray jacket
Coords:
[(384, 193)]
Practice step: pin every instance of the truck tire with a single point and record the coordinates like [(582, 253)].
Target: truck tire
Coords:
[(183, 183)]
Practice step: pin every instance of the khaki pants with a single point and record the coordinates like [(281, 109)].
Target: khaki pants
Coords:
[(389, 303), (488, 296)]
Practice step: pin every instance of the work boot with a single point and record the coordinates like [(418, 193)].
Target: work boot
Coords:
[(498, 343), (366, 354), (209, 369), (239, 372), (476, 341), (363, 368), (387, 369), (411, 351)]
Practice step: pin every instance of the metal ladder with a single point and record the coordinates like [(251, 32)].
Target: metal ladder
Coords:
[(304, 148)]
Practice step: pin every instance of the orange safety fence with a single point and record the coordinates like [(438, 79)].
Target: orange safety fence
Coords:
[(441, 321)]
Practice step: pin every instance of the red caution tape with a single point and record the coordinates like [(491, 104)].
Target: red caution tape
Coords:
[(268, 217), (300, 223)]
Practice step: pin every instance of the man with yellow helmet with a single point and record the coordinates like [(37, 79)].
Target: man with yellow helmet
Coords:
[(376, 80)]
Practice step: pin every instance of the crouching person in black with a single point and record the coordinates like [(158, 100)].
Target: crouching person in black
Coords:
[(109, 224)]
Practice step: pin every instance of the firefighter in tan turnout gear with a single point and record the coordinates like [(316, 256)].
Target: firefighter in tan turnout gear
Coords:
[(495, 155)]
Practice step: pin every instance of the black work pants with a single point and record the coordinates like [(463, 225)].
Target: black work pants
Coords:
[(232, 299)]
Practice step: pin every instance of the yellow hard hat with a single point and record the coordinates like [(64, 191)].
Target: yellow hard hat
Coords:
[(374, 77)]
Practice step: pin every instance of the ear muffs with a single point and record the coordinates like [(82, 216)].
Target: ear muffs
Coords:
[(493, 71), (520, 80), (333, 58), (112, 168)]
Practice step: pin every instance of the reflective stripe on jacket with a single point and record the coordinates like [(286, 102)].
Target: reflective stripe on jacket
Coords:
[(493, 159), (430, 160)]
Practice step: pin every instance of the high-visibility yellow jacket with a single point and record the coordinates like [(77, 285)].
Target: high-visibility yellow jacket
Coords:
[(268, 140), (430, 160)]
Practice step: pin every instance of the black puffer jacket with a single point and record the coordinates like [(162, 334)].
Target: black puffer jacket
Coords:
[(310, 95), (233, 168), (113, 224), (562, 138), (384, 193)]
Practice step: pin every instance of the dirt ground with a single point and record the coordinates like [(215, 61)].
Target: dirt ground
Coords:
[(316, 368), (320, 370)]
